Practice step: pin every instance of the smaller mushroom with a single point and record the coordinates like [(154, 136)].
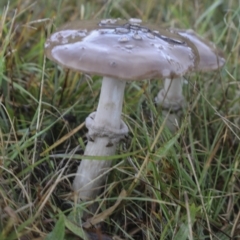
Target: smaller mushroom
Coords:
[(171, 97)]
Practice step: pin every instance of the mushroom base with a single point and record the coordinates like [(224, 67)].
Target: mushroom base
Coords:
[(173, 120), (91, 174)]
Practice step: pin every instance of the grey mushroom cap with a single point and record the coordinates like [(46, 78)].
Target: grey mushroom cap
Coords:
[(210, 58), (121, 49)]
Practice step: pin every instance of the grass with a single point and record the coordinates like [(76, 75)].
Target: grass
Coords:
[(162, 186)]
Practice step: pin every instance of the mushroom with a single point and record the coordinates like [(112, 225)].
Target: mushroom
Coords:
[(120, 51), (170, 97)]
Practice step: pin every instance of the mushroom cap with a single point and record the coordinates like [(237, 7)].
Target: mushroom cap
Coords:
[(209, 57), (121, 49)]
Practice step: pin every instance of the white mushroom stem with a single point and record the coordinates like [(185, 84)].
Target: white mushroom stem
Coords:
[(172, 101), (105, 130), (170, 97), (173, 88)]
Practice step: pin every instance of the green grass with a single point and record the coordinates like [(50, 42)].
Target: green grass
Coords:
[(188, 183)]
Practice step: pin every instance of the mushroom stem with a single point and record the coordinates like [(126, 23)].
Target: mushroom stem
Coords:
[(170, 97), (172, 101), (105, 130), (109, 108), (173, 88)]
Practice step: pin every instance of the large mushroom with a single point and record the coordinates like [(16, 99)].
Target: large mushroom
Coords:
[(171, 97), (119, 51)]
